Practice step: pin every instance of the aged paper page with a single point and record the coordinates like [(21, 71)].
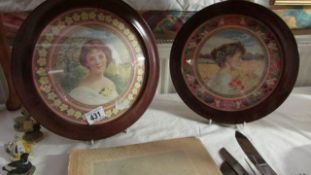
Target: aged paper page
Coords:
[(185, 156)]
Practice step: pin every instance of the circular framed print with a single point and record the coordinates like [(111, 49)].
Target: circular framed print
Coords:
[(85, 69), (234, 62)]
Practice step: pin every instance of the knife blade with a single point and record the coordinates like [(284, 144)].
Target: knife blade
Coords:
[(253, 155)]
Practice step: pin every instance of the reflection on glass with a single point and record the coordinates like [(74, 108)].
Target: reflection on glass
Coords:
[(87, 58)]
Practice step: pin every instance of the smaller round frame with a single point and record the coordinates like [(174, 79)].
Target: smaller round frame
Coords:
[(73, 56), (234, 62)]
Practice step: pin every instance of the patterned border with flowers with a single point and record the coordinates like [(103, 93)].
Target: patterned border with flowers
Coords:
[(273, 74), (41, 54)]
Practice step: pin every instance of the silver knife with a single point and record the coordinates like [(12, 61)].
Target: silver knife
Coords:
[(253, 155)]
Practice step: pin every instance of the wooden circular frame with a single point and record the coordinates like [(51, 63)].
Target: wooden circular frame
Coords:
[(23, 79), (287, 44)]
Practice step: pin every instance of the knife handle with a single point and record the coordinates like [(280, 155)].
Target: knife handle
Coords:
[(226, 169), (234, 164), (265, 170)]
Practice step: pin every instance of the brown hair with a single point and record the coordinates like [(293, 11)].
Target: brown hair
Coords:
[(221, 53), (94, 44)]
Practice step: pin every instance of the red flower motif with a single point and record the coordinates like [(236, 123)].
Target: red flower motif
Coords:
[(236, 84)]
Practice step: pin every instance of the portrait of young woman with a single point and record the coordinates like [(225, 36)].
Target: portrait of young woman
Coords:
[(95, 88), (231, 66), (92, 67)]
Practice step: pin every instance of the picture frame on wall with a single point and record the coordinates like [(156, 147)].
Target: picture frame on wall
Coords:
[(290, 2), (297, 17), (232, 65), (86, 69)]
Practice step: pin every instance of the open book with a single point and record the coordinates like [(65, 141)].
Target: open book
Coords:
[(185, 156)]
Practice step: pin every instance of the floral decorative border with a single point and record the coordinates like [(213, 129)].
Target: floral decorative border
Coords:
[(165, 24), (40, 62), (273, 73)]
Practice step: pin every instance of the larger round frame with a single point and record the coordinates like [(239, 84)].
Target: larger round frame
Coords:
[(75, 56), (234, 62)]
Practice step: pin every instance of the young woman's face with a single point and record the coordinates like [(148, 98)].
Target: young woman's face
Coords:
[(235, 60), (96, 61)]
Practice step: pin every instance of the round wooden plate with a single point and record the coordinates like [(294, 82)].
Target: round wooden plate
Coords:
[(73, 56), (234, 62)]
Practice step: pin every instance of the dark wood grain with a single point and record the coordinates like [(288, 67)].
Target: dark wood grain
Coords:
[(284, 37), (23, 80), (13, 102)]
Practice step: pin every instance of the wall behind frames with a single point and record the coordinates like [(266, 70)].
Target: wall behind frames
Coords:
[(140, 5)]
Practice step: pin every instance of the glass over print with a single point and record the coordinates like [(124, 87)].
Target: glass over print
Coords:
[(86, 69), (87, 58), (234, 62), (228, 66)]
